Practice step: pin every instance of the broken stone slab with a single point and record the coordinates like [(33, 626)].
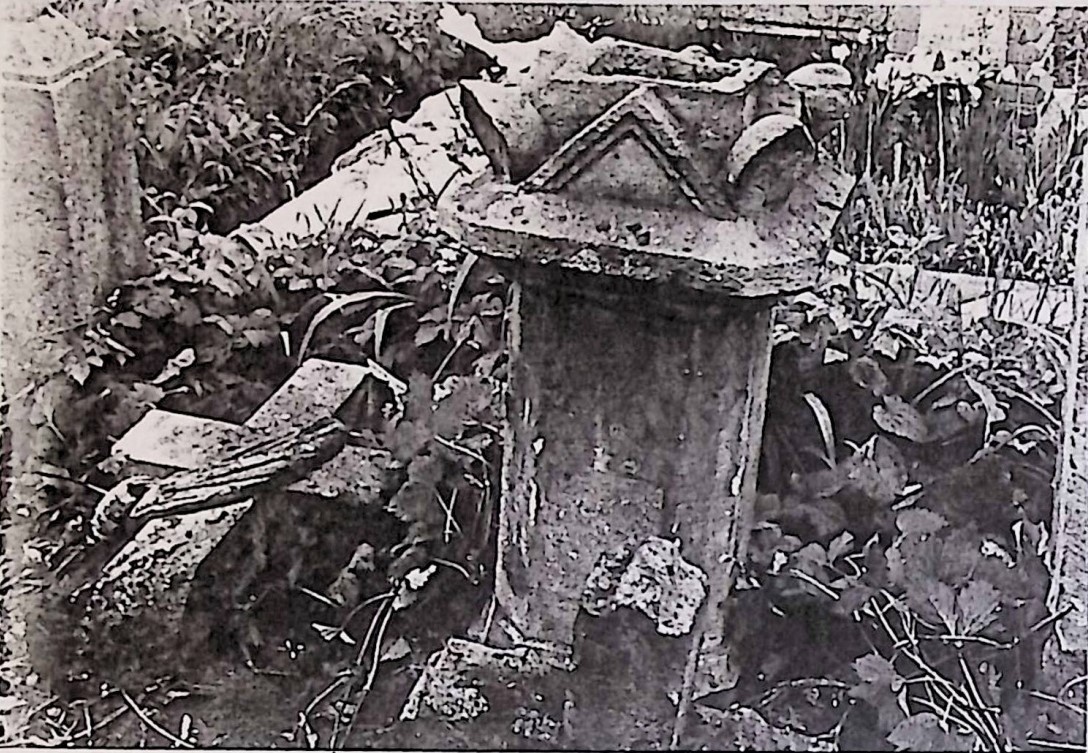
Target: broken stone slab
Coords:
[(260, 466), (651, 578), (134, 610), (466, 679), (425, 152)]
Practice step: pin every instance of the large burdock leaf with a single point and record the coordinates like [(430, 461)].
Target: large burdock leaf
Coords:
[(897, 416)]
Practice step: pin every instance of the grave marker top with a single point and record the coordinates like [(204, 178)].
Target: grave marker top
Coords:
[(653, 165)]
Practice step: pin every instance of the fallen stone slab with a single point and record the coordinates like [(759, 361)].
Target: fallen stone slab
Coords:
[(410, 159), (466, 679), (133, 612)]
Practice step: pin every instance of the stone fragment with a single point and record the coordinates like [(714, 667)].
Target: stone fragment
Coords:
[(466, 679), (135, 608), (653, 579)]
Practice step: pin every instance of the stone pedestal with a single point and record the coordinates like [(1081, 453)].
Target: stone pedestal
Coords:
[(650, 207), (632, 412), (71, 230), (71, 214)]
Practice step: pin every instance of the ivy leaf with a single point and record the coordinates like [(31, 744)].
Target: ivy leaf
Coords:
[(977, 604), (924, 732), (897, 416), (79, 371)]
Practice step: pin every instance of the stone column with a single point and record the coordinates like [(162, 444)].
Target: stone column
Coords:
[(71, 212), (71, 230), (651, 207)]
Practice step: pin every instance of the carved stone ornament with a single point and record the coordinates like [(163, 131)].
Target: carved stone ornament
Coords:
[(627, 160)]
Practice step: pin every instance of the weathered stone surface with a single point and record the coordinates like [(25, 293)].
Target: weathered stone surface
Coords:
[(700, 120), (679, 197), (71, 231), (769, 254), (653, 579), (658, 166), (627, 416), (466, 679), (979, 33), (70, 213), (143, 590), (176, 440), (265, 465)]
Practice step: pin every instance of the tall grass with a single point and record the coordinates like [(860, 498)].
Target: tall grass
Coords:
[(243, 104)]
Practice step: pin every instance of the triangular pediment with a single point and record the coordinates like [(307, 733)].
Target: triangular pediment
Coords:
[(627, 171), (640, 118)]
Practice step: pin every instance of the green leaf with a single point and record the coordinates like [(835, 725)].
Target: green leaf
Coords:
[(995, 412), (942, 598), (900, 418), (919, 522), (823, 420), (381, 319), (458, 283), (879, 685), (924, 732), (129, 319), (867, 374), (79, 371), (977, 604), (839, 546)]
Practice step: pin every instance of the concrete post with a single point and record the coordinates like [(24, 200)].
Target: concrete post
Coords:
[(651, 207), (70, 229), (71, 212)]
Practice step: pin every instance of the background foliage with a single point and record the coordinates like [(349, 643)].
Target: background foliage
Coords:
[(244, 105)]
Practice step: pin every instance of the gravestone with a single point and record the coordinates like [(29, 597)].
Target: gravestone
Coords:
[(144, 588), (71, 231), (650, 207)]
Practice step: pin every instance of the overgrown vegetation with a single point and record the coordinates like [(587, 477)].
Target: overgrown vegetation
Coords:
[(902, 532), (243, 105), (896, 567)]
